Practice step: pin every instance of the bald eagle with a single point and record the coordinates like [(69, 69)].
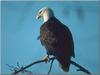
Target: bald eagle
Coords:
[(56, 38)]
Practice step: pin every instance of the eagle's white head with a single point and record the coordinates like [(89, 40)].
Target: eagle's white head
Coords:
[(46, 13)]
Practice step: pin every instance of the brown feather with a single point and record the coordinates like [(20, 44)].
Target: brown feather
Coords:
[(58, 41)]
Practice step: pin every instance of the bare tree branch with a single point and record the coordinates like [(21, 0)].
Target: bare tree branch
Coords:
[(51, 66), (53, 58), (80, 67), (40, 61)]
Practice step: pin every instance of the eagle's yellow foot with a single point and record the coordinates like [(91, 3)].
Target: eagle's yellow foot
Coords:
[(46, 58)]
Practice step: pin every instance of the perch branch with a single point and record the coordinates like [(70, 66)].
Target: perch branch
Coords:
[(40, 61), (53, 58), (80, 67)]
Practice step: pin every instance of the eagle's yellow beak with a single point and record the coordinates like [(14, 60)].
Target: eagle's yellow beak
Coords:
[(38, 16)]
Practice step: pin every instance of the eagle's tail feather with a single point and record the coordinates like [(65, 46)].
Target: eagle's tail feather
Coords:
[(64, 63)]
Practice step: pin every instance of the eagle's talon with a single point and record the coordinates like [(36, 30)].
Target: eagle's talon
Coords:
[(47, 59)]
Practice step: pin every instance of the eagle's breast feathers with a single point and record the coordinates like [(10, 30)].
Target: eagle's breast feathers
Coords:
[(55, 36)]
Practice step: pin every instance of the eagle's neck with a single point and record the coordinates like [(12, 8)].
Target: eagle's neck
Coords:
[(47, 16)]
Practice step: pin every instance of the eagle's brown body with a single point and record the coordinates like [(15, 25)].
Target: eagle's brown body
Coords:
[(58, 41)]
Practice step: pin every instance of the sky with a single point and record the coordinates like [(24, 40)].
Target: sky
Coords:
[(20, 29)]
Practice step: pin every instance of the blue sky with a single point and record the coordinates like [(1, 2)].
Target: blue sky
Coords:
[(20, 30)]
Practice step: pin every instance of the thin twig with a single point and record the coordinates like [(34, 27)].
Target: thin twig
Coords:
[(12, 68), (18, 65), (51, 66)]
